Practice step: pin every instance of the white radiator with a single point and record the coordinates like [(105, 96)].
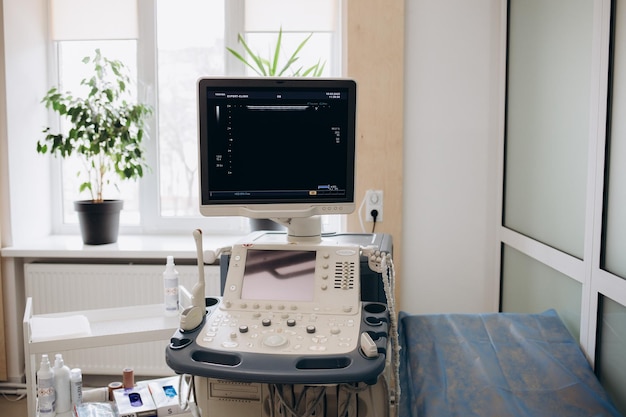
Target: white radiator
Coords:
[(58, 288)]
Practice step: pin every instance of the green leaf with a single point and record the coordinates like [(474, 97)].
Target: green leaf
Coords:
[(257, 59), (42, 148), (294, 55), (85, 186), (276, 51)]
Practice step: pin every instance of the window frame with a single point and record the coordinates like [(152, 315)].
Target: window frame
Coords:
[(151, 221)]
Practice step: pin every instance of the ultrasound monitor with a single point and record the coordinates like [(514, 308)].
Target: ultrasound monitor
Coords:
[(277, 148)]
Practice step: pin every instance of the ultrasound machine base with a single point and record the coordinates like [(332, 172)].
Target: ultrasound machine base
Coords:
[(332, 344), (223, 398)]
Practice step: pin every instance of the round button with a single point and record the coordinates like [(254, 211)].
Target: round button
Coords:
[(274, 340), (266, 322), (291, 322), (243, 329), (310, 329)]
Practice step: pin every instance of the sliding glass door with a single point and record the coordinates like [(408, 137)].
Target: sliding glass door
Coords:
[(563, 231)]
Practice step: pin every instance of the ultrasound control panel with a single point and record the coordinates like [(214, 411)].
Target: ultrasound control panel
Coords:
[(296, 299), (282, 333), (289, 314)]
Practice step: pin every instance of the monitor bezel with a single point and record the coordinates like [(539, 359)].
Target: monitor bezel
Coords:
[(281, 210)]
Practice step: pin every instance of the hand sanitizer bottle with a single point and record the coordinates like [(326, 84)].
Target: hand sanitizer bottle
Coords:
[(62, 385), (170, 283), (45, 388)]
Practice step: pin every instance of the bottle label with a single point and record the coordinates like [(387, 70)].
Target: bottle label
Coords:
[(46, 394), (171, 295), (76, 392)]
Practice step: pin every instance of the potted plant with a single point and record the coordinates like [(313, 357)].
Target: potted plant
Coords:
[(106, 131)]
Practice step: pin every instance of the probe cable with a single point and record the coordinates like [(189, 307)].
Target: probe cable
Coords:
[(389, 283), (293, 410)]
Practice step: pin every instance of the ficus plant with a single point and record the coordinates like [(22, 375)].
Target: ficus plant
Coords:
[(269, 67), (106, 127)]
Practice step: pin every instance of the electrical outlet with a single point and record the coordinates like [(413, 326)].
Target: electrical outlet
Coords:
[(373, 201)]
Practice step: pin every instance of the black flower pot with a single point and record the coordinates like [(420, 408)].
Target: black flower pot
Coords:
[(99, 222)]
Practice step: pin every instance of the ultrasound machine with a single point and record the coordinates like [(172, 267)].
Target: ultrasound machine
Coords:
[(305, 324)]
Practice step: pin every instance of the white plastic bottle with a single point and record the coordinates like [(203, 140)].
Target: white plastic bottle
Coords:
[(170, 283), (62, 385), (45, 388), (76, 386)]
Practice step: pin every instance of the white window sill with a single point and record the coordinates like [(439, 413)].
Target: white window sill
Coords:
[(127, 247)]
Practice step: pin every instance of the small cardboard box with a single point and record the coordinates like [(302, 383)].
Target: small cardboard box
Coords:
[(166, 396), (136, 402)]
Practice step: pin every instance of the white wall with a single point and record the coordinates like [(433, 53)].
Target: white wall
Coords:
[(25, 25), (28, 182), (454, 88)]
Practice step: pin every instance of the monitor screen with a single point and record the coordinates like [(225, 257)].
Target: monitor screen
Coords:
[(276, 148), (280, 275)]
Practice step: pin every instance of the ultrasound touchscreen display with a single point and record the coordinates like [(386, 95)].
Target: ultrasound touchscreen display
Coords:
[(279, 275)]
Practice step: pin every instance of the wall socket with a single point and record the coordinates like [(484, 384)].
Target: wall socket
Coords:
[(373, 201)]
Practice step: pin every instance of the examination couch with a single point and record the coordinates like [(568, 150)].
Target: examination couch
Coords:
[(497, 364)]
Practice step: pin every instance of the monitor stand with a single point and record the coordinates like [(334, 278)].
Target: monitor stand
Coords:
[(302, 229)]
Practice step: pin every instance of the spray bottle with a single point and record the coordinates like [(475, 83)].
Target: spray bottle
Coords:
[(170, 283), (45, 389)]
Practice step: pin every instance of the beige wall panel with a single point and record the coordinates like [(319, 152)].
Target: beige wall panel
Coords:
[(375, 59)]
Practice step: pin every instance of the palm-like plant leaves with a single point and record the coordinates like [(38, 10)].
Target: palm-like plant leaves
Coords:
[(269, 67)]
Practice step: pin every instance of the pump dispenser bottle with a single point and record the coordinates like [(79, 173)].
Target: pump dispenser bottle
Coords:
[(45, 389), (62, 385), (170, 283)]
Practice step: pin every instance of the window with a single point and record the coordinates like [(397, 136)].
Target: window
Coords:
[(176, 43)]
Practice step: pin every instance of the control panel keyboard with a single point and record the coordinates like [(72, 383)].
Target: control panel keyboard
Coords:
[(280, 333)]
